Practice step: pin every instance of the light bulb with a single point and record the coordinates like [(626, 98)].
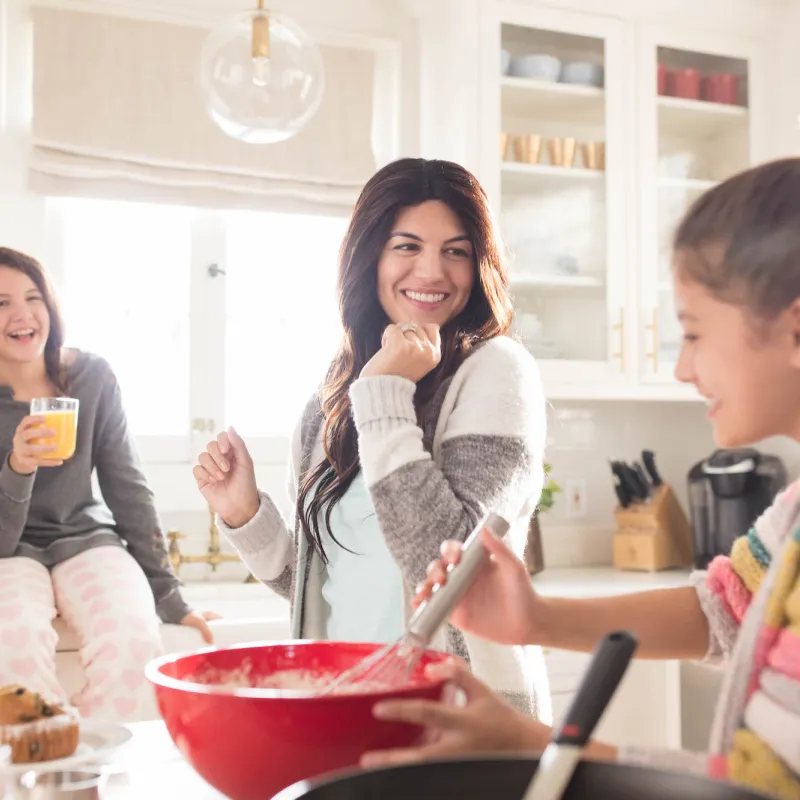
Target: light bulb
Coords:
[(262, 77)]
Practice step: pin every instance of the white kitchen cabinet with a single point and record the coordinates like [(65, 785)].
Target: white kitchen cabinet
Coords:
[(645, 711), (718, 127), (589, 241), (553, 172)]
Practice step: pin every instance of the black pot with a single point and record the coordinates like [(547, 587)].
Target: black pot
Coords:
[(507, 779)]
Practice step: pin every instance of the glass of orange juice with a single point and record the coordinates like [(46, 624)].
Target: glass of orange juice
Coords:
[(61, 415)]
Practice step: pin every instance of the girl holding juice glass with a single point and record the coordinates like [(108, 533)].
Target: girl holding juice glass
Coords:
[(100, 565)]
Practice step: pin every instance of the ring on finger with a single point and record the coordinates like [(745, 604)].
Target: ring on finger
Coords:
[(409, 327)]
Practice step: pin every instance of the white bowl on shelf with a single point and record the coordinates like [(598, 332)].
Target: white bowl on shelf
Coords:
[(505, 62), (582, 73), (538, 66)]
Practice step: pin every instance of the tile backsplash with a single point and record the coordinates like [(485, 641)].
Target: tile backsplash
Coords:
[(583, 436)]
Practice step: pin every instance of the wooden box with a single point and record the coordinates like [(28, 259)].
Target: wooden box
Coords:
[(653, 535)]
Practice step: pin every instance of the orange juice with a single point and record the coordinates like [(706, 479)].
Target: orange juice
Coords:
[(65, 424), (61, 415)]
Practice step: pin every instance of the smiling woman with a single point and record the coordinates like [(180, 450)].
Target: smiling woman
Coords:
[(100, 564), (429, 416)]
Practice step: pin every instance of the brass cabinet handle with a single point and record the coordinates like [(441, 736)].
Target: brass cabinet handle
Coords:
[(653, 326), (620, 326), (203, 425)]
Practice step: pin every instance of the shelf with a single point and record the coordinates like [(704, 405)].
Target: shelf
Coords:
[(559, 102), (686, 184), (524, 177), (545, 281), (659, 390), (693, 118)]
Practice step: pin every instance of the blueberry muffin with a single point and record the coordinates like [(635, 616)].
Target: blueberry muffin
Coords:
[(34, 729)]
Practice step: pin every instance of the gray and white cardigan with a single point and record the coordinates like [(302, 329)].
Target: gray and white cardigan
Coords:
[(479, 447)]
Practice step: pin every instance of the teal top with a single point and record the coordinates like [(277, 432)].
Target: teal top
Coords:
[(363, 586)]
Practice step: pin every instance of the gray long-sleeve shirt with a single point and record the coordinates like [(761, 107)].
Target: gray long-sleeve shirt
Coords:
[(54, 515)]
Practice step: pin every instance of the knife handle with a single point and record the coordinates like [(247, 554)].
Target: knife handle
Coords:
[(649, 459), (621, 486), (608, 665), (644, 483)]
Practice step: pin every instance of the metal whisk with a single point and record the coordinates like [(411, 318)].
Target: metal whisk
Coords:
[(391, 666)]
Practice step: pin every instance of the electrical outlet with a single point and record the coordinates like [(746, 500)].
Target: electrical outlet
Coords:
[(575, 495)]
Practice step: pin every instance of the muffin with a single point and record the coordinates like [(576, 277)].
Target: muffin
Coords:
[(33, 729)]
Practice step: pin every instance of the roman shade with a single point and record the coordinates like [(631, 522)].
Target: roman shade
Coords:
[(117, 113)]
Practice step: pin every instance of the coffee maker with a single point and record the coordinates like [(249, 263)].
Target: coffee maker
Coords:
[(728, 491)]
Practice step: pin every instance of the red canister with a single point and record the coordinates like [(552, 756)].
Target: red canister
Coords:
[(721, 88), (685, 83), (662, 79)]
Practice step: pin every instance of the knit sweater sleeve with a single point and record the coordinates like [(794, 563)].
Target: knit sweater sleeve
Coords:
[(492, 448), (266, 543), (726, 589)]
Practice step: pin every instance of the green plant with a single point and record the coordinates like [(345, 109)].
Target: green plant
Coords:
[(550, 488)]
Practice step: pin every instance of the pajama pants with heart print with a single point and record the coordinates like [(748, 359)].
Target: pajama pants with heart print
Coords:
[(103, 596)]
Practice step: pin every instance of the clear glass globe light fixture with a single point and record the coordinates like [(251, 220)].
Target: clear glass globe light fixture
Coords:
[(261, 76)]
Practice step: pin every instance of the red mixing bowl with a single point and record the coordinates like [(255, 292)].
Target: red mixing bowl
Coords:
[(251, 743)]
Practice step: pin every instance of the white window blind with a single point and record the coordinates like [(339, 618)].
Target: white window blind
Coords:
[(117, 113)]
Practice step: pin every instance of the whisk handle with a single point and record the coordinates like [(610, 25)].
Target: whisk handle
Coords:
[(445, 597)]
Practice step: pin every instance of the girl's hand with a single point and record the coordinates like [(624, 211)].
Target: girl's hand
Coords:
[(410, 354), (226, 478), (501, 605), (199, 621), (26, 456), (486, 724)]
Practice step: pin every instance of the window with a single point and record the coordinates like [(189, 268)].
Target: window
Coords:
[(282, 320), (125, 277), (196, 349)]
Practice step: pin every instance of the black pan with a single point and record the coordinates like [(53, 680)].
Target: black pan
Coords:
[(507, 779)]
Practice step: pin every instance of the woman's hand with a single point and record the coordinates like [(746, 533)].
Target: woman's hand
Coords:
[(409, 351), (226, 478), (501, 605), (26, 456), (486, 724), (199, 621)]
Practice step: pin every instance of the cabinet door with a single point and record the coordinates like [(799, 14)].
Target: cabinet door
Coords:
[(701, 99), (554, 146)]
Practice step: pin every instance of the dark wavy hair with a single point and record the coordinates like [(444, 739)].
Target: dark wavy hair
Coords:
[(55, 341), (488, 313)]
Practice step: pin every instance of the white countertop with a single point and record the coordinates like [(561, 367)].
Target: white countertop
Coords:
[(234, 599), (604, 581)]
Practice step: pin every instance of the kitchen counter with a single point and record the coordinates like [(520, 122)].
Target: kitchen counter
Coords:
[(604, 581), (237, 599)]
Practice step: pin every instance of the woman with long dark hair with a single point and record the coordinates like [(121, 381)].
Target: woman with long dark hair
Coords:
[(429, 416)]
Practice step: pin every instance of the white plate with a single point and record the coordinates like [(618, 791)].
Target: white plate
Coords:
[(97, 743)]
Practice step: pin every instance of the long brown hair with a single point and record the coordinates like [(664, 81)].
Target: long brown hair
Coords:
[(55, 341), (488, 313)]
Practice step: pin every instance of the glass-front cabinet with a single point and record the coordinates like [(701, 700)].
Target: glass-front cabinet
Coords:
[(696, 129), (553, 101)]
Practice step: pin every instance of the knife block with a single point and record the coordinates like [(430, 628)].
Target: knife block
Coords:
[(653, 535)]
